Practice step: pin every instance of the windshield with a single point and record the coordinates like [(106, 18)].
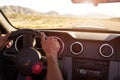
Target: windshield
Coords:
[(50, 14)]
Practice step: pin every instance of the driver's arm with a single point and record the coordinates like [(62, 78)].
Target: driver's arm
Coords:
[(51, 47)]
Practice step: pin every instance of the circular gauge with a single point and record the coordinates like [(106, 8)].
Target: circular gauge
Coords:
[(76, 48), (106, 50)]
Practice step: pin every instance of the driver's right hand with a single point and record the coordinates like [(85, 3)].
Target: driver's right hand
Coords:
[(50, 45)]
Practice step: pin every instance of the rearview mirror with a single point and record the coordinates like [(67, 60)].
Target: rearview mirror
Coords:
[(95, 2)]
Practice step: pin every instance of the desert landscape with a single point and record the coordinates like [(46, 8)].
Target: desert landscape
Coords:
[(27, 18)]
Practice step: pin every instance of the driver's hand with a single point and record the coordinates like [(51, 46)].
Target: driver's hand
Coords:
[(3, 39), (50, 45)]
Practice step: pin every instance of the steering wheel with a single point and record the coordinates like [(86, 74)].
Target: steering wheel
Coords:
[(29, 60)]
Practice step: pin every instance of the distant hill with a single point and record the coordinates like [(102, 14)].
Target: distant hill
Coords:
[(52, 13), (19, 10), (24, 10)]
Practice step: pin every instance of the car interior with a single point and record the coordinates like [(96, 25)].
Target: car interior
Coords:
[(85, 54)]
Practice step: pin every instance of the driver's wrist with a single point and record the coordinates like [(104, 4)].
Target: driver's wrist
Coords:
[(52, 59), (51, 56)]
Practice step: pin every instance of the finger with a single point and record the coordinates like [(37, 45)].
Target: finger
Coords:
[(42, 36)]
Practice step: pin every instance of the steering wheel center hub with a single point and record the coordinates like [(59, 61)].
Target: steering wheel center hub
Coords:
[(25, 59)]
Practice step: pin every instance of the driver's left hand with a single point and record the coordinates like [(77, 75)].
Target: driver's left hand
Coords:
[(3, 39)]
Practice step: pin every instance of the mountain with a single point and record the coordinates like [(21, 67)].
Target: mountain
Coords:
[(19, 10), (23, 10), (52, 13)]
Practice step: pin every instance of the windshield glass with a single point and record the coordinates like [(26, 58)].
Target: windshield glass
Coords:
[(49, 14)]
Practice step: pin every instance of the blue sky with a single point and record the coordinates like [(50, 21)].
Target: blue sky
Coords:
[(65, 6)]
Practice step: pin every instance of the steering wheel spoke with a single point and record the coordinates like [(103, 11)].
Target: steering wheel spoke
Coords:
[(28, 40)]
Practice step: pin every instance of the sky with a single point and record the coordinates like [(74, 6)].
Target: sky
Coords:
[(65, 6)]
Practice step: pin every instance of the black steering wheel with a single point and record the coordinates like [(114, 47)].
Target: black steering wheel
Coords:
[(28, 58), (29, 61)]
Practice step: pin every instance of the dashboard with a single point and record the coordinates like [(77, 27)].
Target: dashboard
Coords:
[(103, 46), (90, 55), (86, 55)]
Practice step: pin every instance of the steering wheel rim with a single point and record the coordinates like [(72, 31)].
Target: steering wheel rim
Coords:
[(28, 56), (28, 36)]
